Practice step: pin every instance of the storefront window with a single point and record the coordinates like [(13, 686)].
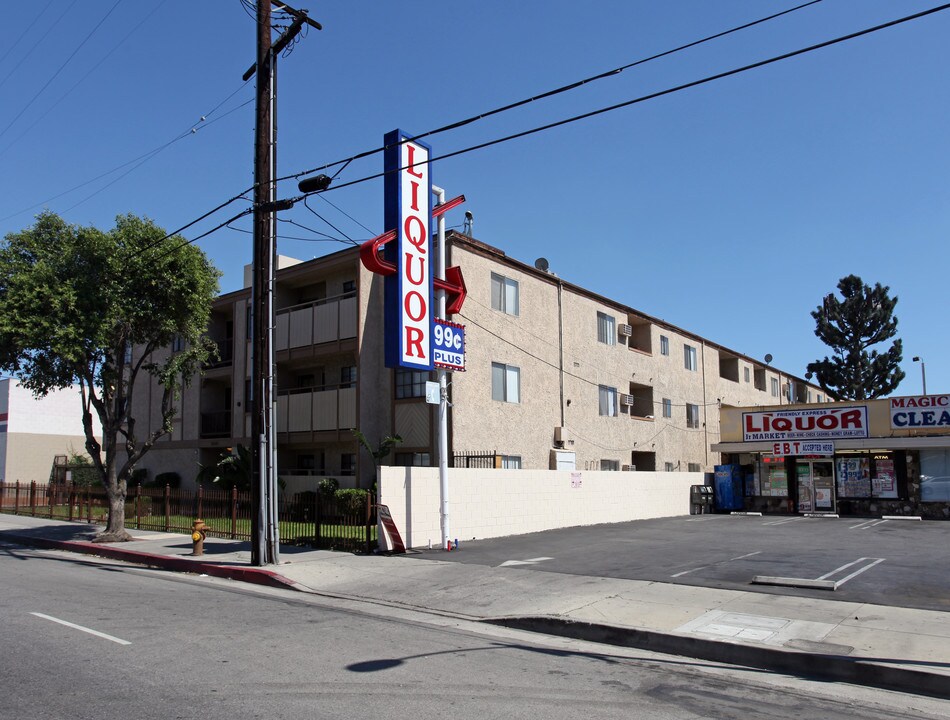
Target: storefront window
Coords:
[(773, 478), (935, 475), (854, 477)]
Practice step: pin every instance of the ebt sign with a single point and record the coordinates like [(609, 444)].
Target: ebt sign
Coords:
[(409, 290)]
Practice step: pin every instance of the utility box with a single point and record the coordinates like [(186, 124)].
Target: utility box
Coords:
[(563, 460), (700, 499), (728, 487)]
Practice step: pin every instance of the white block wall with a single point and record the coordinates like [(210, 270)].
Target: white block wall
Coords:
[(496, 503)]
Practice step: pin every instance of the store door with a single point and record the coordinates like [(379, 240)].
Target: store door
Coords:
[(816, 485)]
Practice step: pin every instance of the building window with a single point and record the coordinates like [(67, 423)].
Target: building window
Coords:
[(689, 357), (692, 416), (668, 467), (505, 383), (410, 383), (694, 467), (608, 400), (504, 294), (178, 343), (745, 372), (511, 462), (667, 408), (348, 377), (349, 287), (775, 387), (413, 459), (606, 329), (611, 465), (664, 345), (820, 399), (348, 464)]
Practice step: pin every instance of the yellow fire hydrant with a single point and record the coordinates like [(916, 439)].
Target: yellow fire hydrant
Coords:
[(198, 533)]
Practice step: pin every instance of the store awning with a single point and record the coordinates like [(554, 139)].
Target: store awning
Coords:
[(894, 443)]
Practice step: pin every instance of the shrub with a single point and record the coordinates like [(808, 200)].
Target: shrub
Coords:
[(139, 477), (328, 487), (172, 479), (351, 501)]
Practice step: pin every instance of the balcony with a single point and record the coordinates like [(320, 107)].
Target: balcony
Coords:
[(224, 357), (317, 322), (316, 410), (216, 424)]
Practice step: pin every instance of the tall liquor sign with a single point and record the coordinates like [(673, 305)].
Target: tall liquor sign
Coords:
[(408, 291), (407, 263)]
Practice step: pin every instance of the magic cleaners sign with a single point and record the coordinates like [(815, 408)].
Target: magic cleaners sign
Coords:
[(920, 411), (408, 291)]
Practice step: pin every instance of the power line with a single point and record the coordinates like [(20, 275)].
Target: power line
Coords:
[(562, 89), (20, 39), (87, 74), (61, 67), (634, 101), (29, 52)]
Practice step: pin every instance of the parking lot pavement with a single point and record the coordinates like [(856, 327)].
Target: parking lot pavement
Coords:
[(900, 563)]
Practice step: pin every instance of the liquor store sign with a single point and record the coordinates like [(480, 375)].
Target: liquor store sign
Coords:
[(806, 424)]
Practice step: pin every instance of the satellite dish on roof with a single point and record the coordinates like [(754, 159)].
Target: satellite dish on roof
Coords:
[(542, 264), (768, 358)]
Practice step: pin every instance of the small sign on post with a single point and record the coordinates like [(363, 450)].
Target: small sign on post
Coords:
[(433, 396)]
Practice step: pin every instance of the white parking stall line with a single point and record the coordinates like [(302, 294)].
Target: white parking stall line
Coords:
[(874, 524), (862, 525), (783, 521), (686, 572), (111, 638), (842, 581), (843, 567), (703, 567)]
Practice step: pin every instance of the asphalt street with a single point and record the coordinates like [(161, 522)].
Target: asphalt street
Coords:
[(86, 638), (891, 562)]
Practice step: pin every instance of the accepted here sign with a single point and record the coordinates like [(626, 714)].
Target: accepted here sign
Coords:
[(804, 447)]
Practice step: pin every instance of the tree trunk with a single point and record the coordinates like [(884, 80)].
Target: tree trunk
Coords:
[(115, 530)]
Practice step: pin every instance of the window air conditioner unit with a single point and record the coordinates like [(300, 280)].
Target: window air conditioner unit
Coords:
[(626, 399), (626, 330), (562, 435), (629, 468)]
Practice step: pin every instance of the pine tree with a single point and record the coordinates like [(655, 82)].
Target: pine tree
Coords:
[(850, 327)]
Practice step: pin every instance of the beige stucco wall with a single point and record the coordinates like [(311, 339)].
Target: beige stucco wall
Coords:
[(29, 456), (497, 503)]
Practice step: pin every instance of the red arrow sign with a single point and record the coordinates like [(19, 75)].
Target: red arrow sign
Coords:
[(453, 284)]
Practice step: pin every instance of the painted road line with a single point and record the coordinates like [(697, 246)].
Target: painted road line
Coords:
[(119, 641), (686, 572), (875, 524), (842, 581), (862, 525), (783, 521), (740, 557), (821, 583), (532, 561)]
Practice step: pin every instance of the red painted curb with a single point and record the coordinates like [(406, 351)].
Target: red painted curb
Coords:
[(257, 576)]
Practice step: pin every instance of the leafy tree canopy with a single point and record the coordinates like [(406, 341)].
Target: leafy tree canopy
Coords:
[(100, 309), (863, 318)]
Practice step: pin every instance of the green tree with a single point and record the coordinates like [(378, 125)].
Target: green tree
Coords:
[(864, 317), (101, 309), (380, 452)]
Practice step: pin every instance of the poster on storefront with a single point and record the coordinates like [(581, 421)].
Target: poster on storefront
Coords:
[(778, 482), (822, 498), (854, 477), (884, 482)]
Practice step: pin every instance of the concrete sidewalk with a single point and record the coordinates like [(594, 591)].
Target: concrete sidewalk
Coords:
[(881, 646)]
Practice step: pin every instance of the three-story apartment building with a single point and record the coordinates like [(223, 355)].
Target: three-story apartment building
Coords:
[(554, 372)]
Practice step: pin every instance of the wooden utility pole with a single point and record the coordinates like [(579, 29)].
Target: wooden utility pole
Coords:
[(265, 537)]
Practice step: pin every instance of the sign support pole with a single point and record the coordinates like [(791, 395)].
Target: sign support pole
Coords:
[(443, 390)]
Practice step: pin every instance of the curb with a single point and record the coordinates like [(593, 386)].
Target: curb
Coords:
[(839, 668), (256, 576)]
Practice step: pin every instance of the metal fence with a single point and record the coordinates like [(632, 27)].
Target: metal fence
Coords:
[(306, 518), (475, 459)]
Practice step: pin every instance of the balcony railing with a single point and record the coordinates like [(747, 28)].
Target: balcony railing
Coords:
[(225, 354), (216, 424), (316, 410), (317, 322)]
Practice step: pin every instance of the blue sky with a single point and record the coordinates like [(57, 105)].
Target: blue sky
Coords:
[(729, 209)]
